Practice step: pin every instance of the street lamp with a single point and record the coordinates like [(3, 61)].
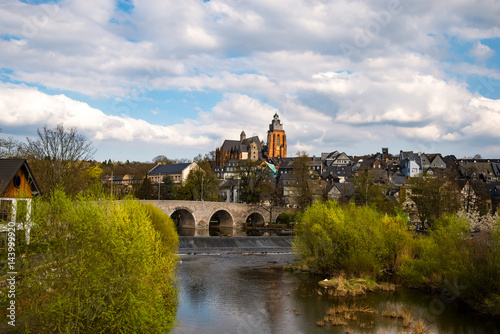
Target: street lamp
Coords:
[(159, 185)]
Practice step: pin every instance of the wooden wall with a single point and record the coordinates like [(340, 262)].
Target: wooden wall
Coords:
[(24, 190)]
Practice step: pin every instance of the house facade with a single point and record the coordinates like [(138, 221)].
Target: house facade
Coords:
[(177, 172), (17, 188)]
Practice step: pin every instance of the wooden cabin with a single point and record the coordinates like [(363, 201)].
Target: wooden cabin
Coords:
[(17, 188)]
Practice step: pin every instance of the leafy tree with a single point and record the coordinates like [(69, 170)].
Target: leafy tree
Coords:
[(166, 188), (58, 156), (199, 186), (145, 190), (94, 173), (99, 267), (307, 186), (357, 240)]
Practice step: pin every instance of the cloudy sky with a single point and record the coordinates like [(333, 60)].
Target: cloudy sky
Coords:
[(150, 77)]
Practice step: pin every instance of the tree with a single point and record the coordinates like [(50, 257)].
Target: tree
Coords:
[(166, 188), (363, 183), (99, 267), (199, 186), (206, 162), (433, 197), (162, 159), (307, 186), (58, 156), (9, 148), (94, 173), (366, 192), (254, 181), (145, 190)]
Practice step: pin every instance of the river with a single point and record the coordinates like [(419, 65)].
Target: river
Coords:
[(242, 293)]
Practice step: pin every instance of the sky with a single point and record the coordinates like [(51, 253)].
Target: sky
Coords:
[(176, 78)]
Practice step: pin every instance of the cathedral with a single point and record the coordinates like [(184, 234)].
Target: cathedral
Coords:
[(252, 148)]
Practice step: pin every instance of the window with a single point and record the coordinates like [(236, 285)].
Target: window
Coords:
[(5, 210)]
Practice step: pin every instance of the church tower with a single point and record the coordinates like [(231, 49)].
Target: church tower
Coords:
[(276, 139)]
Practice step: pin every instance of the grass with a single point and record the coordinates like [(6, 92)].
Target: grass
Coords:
[(339, 286), (348, 315)]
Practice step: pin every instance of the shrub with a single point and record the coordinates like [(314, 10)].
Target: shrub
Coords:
[(107, 269), (357, 240)]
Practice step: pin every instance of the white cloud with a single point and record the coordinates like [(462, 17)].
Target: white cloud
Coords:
[(27, 106), (481, 52), (262, 57)]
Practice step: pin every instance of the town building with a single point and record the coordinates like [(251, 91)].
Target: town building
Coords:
[(253, 148), (177, 172)]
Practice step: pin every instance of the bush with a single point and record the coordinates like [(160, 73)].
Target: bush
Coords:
[(357, 240), (450, 260), (109, 268)]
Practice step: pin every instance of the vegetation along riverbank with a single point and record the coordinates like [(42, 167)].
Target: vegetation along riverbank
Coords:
[(96, 265), (357, 241)]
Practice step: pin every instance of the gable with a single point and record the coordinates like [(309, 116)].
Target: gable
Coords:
[(16, 179)]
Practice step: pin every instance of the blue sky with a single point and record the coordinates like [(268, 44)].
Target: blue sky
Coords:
[(144, 78)]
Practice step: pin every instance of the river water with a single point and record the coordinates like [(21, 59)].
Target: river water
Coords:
[(241, 293)]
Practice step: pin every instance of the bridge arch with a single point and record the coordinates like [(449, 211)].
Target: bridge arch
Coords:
[(284, 218), (255, 218), (221, 218), (183, 217), (197, 214)]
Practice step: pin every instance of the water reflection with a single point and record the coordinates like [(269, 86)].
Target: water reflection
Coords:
[(246, 294), (211, 232)]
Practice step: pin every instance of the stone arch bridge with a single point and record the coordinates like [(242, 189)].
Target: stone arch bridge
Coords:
[(199, 214)]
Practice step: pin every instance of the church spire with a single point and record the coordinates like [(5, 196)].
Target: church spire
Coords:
[(276, 139)]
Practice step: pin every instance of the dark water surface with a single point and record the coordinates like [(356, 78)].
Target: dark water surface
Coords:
[(237, 293)]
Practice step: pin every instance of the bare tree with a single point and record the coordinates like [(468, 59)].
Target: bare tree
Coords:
[(307, 181), (9, 148), (58, 157)]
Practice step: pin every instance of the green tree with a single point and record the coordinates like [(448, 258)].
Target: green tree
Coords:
[(199, 186), (94, 173), (99, 267), (145, 190), (166, 188), (58, 157), (357, 240)]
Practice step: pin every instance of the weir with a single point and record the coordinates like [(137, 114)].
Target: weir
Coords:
[(217, 245)]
